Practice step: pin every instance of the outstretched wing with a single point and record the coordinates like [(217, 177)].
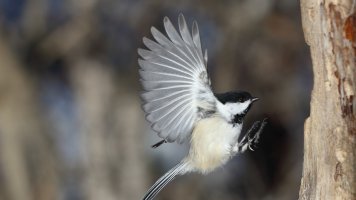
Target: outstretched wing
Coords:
[(174, 77)]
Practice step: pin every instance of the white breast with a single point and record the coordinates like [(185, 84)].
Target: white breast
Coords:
[(211, 143)]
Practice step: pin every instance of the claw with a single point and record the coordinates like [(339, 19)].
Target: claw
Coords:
[(254, 140), (249, 146), (248, 142)]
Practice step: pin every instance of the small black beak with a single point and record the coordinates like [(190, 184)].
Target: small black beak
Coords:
[(255, 99)]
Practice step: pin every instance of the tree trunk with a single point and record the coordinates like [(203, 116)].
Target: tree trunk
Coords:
[(330, 131)]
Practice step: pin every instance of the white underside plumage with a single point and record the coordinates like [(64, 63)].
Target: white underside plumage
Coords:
[(211, 145)]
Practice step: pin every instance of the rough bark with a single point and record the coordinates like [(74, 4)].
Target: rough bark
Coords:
[(330, 131)]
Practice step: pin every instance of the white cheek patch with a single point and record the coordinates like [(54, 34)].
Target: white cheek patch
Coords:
[(237, 108)]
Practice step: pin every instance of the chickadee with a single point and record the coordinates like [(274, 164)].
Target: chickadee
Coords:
[(180, 105)]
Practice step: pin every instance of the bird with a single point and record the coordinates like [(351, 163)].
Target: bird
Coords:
[(180, 105)]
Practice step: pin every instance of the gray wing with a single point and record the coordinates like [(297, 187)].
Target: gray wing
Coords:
[(177, 87)]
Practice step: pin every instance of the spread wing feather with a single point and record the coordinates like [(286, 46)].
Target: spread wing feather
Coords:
[(174, 77)]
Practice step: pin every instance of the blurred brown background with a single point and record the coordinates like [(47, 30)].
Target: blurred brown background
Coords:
[(71, 127)]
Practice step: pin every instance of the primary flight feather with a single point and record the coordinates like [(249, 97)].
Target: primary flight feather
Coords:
[(174, 77)]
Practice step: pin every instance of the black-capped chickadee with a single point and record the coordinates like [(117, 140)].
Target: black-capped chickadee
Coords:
[(180, 104)]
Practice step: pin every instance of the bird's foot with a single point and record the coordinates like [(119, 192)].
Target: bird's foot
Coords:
[(252, 136)]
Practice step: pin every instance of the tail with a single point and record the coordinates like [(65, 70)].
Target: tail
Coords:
[(179, 169)]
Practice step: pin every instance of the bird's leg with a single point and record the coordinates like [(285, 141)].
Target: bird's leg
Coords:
[(252, 141), (251, 137)]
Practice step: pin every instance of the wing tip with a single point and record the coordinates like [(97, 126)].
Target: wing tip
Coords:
[(181, 16), (153, 30), (167, 23), (195, 25), (140, 52), (140, 62), (156, 128), (166, 20), (145, 40), (206, 57), (181, 20)]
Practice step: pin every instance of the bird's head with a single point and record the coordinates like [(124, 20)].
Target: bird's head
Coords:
[(236, 104)]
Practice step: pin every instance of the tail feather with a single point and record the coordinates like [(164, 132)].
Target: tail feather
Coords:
[(164, 180)]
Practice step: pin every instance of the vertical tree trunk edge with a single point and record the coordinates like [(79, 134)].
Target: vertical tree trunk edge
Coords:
[(330, 131)]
